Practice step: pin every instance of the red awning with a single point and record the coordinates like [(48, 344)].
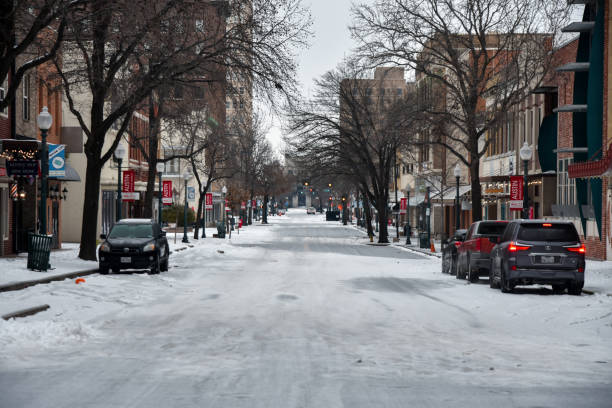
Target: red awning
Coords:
[(593, 168)]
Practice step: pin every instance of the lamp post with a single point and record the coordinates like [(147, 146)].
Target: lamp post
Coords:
[(186, 177), (44, 122), (525, 154), (457, 173), (160, 169), (224, 191), (120, 154), (204, 221)]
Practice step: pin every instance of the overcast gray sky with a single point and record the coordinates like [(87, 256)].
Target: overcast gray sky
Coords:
[(328, 46)]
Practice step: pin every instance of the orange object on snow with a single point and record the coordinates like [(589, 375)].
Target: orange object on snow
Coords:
[(433, 249), (79, 280)]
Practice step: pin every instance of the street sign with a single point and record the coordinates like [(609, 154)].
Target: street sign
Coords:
[(516, 193), (209, 201), (129, 183), (167, 192)]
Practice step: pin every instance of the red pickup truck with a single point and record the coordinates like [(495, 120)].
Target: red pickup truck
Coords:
[(474, 254)]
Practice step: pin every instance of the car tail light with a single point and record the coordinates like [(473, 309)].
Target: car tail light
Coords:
[(513, 267), (514, 247), (547, 225), (580, 269), (478, 244), (580, 248), (457, 244)]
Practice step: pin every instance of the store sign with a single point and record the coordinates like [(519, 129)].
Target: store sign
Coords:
[(209, 201), (57, 160), (167, 192), (22, 167), (494, 191), (129, 183), (516, 192), (403, 205)]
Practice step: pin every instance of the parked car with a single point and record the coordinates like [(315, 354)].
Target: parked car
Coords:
[(134, 244), (449, 251), (332, 215), (538, 252), (474, 255), (311, 210)]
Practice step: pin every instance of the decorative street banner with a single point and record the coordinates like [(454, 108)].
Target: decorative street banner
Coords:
[(242, 205), (403, 204), (209, 201), (129, 182), (190, 193), (57, 160), (254, 204), (516, 192), (167, 192)]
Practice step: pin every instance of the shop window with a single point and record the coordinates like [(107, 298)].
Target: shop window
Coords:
[(3, 88), (566, 187)]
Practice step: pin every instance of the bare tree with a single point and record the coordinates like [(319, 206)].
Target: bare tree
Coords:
[(31, 32), (121, 51), (473, 61), (345, 130)]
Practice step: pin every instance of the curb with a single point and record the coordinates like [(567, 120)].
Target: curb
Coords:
[(414, 250), (26, 284), (26, 312)]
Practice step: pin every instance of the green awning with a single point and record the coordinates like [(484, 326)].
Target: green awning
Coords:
[(547, 143)]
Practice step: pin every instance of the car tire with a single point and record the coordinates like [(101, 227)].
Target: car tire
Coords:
[(558, 289), (155, 266), (505, 285), (116, 270), (575, 289), (472, 274), (104, 270), (163, 267), (460, 272), (493, 284)]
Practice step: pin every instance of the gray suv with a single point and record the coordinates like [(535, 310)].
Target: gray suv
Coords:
[(538, 252)]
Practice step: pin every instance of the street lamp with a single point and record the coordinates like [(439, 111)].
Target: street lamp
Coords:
[(44, 122), (186, 177), (525, 154), (457, 173), (120, 153), (224, 191), (160, 169)]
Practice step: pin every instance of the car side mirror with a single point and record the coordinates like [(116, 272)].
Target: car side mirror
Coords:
[(102, 236)]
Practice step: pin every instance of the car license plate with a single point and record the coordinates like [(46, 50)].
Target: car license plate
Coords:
[(547, 259), (126, 259)]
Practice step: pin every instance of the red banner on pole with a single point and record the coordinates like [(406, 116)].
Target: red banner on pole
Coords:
[(167, 192), (129, 183), (254, 204), (403, 204), (242, 205), (209, 201), (516, 192)]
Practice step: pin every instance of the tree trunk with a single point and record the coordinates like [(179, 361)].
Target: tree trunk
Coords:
[(147, 210), (196, 230), (368, 214), (476, 190), (382, 220), (264, 216), (91, 202), (250, 221)]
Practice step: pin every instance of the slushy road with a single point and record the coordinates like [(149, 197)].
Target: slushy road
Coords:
[(302, 313)]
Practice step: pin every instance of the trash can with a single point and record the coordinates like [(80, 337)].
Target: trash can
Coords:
[(39, 250), (220, 230), (423, 240)]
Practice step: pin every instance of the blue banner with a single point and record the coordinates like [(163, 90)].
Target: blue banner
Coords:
[(190, 193), (57, 160)]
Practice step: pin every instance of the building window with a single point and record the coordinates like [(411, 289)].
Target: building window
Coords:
[(198, 92), (228, 105), (26, 97), (199, 26), (399, 91), (241, 105), (242, 90), (566, 187), (3, 87)]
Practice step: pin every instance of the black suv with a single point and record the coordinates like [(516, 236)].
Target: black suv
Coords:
[(538, 252), (332, 215), (134, 244)]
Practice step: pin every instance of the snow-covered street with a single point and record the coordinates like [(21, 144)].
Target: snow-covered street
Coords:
[(303, 313)]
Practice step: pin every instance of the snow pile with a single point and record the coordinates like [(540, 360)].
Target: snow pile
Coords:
[(19, 334)]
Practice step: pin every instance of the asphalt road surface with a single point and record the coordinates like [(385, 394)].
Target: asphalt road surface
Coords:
[(303, 313)]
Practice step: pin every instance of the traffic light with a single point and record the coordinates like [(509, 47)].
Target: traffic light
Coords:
[(343, 198), (330, 198)]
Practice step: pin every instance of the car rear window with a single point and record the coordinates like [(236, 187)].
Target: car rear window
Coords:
[(496, 228), (132, 231), (552, 233)]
